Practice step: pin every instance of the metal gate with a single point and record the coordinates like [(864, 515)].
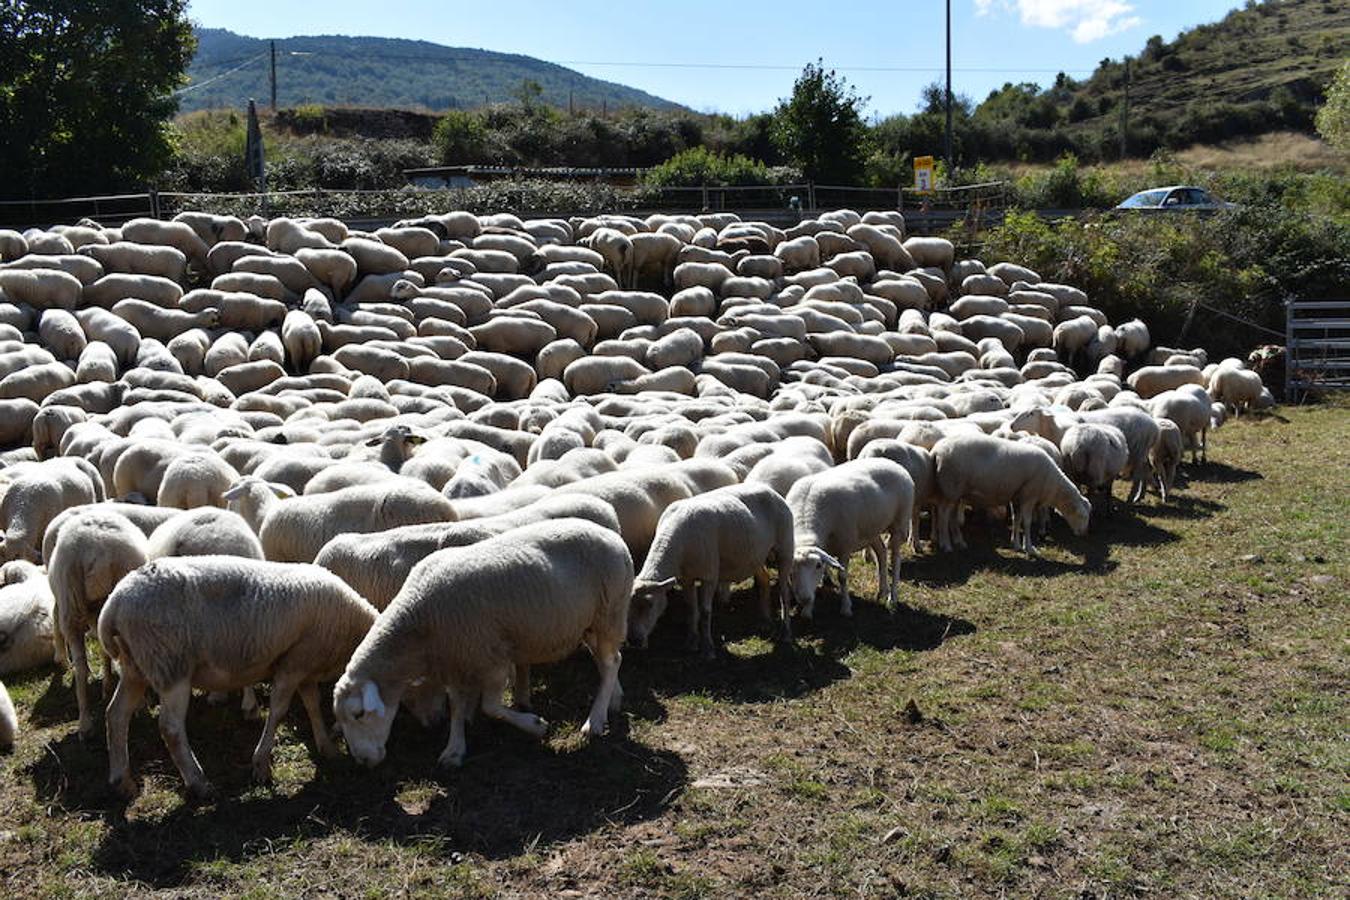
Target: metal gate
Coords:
[(1317, 346)]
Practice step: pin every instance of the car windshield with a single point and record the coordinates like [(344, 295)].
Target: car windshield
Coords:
[(1145, 198)]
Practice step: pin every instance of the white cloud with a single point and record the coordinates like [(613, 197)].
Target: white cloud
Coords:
[(1085, 20)]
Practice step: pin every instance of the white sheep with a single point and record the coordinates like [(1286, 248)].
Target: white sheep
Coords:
[(37, 493), (471, 619), (838, 512), (377, 565), (1166, 455), (95, 551), (989, 472), (713, 541), (207, 531), (196, 479), (26, 609), (295, 530), (221, 623), (1093, 455)]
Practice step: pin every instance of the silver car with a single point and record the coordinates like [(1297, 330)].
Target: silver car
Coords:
[(1179, 198)]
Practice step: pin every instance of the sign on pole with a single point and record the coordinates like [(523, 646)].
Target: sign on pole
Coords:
[(923, 174)]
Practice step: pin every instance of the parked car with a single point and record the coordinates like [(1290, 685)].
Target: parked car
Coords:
[(1179, 198)]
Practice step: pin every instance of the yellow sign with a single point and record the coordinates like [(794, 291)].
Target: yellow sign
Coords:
[(923, 173)]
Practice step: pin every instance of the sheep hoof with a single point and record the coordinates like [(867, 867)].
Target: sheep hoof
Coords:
[(201, 792), (451, 759), (535, 726), (262, 772), (124, 787), (87, 731), (592, 730)]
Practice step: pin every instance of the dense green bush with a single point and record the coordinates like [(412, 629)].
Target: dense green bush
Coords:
[(700, 166), (1245, 262)]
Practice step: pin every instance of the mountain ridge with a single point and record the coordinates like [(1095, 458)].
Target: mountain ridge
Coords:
[(229, 69)]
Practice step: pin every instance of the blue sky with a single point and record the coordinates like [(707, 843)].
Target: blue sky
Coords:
[(697, 42)]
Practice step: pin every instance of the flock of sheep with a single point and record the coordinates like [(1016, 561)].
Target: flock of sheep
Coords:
[(420, 461)]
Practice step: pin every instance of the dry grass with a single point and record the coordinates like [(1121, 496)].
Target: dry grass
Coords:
[(1282, 150), (1160, 710)]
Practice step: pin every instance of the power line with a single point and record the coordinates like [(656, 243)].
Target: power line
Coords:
[(202, 84)]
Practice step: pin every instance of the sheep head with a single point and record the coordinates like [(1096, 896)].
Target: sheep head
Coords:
[(650, 599), (809, 565), (364, 719)]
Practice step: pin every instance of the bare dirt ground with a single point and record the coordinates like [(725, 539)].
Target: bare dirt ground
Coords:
[(1159, 709)]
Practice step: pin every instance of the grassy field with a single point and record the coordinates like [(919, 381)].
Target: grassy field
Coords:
[(1158, 710)]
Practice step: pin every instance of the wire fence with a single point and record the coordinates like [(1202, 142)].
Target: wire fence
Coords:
[(979, 206)]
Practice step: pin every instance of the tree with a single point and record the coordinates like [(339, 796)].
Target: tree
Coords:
[(1333, 119), (820, 127), (86, 92)]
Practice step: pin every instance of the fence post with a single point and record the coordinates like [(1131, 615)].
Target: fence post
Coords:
[(811, 195), (705, 196), (1290, 346)]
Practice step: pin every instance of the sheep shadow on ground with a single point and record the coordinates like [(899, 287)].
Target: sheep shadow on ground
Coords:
[(1220, 473), (761, 669), (511, 793), (56, 704)]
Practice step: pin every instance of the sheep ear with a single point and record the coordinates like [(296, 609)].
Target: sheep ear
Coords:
[(235, 490), (282, 491), (666, 584), (374, 442), (417, 438), (370, 699)]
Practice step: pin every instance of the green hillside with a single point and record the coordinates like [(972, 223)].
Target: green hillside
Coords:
[(380, 72), (1262, 68)]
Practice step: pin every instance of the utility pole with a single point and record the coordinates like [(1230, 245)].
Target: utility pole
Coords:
[(948, 155), (1125, 113), (274, 76)]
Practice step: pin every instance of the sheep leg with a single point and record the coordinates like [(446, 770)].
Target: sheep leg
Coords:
[(878, 550), (607, 660), (896, 543), (127, 698), (785, 606), (283, 689), (1204, 445), (691, 640), (173, 707), (762, 584), (79, 662), (708, 590), (494, 687), (460, 704), (323, 742), (845, 599), (107, 678), (248, 704), (520, 688), (914, 530)]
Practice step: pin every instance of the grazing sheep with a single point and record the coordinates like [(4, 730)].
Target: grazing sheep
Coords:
[(207, 531), (1166, 456), (196, 479), (37, 494), (26, 612), (377, 565), (295, 530), (471, 619), (94, 552), (713, 541), (221, 623), (841, 511), (1093, 455), (989, 472)]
